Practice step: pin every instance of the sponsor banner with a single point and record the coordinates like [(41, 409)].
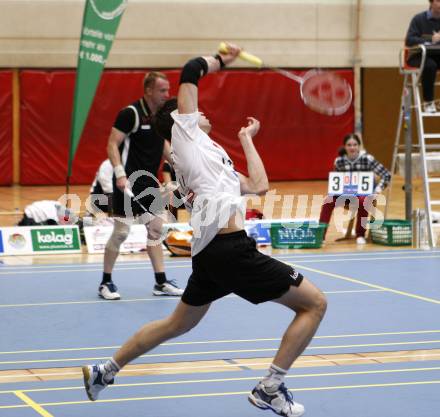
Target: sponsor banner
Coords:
[(260, 229), (55, 239), (30, 240), (16, 241), (97, 237)]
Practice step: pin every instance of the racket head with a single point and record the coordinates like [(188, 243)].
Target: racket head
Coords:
[(326, 92)]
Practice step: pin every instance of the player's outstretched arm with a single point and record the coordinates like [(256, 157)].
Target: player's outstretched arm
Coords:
[(195, 69), (257, 182)]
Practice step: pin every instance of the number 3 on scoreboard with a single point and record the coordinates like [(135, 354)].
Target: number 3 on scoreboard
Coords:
[(335, 183)]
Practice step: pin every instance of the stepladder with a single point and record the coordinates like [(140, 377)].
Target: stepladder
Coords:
[(420, 143)]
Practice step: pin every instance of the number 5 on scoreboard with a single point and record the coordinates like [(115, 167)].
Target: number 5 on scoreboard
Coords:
[(335, 183), (366, 183)]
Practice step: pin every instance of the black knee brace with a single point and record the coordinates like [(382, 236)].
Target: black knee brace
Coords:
[(193, 71)]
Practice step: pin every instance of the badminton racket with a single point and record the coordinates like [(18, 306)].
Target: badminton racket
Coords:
[(164, 191), (322, 91)]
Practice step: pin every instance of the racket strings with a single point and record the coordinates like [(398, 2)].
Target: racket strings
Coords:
[(326, 93)]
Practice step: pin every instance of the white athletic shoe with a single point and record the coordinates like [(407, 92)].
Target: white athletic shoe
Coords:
[(429, 107), (360, 240), (94, 380), (167, 288), (280, 402), (109, 291)]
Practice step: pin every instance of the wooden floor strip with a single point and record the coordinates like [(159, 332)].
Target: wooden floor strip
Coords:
[(50, 374)]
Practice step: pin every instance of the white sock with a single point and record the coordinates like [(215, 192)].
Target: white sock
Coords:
[(111, 369), (274, 379)]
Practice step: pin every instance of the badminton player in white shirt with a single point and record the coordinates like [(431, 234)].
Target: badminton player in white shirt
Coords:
[(224, 259)]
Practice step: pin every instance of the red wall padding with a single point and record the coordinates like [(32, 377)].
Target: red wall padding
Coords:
[(5, 127), (294, 142)]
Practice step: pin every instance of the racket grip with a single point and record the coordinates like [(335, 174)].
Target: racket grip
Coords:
[(128, 191), (252, 59), (245, 56)]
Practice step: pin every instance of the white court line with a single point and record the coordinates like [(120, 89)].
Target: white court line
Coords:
[(86, 264), (394, 258), (222, 352), (79, 268), (213, 342), (137, 300), (188, 261)]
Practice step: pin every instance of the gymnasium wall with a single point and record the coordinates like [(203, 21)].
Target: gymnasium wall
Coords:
[(164, 33), (381, 94), (382, 89), (5, 127), (42, 34), (294, 142)]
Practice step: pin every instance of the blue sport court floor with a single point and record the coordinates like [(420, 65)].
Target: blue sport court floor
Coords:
[(377, 352)]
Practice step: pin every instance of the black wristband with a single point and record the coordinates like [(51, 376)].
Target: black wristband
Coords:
[(220, 60)]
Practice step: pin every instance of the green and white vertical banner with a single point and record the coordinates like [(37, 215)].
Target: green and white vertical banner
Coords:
[(100, 23)]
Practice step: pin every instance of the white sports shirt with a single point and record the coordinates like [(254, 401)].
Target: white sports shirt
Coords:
[(104, 176), (208, 181)]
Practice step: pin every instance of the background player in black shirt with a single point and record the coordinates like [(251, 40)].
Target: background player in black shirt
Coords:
[(135, 151)]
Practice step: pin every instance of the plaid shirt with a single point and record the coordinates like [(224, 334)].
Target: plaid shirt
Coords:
[(364, 162)]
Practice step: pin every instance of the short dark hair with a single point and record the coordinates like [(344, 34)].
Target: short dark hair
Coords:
[(163, 122), (151, 77)]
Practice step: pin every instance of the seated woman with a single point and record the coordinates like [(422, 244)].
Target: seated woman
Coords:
[(352, 159)]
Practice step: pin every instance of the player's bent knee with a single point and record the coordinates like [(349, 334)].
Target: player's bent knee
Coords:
[(320, 305), (118, 236), (154, 234), (154, 230)]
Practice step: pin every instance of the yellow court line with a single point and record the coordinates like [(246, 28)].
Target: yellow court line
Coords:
[(223, 394), (357, 281), (348, 291), (211, 342), (31, 403), (251, 378), (158, 355)]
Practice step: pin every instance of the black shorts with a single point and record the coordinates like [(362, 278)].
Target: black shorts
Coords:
[(125, 206), (231, 263)]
